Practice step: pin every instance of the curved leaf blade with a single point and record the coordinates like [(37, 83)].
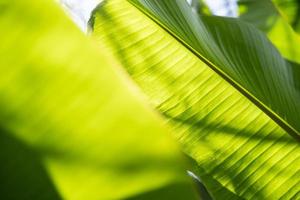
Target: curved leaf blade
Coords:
[(265, 80), (72, 124), (241, 152)]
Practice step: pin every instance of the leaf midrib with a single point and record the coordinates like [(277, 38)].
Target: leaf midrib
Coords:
[(274, 116)]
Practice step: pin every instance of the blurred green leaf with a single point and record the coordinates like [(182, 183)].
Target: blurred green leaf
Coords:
[(216, 81), (72, 125), (290, 9), (265, 16)]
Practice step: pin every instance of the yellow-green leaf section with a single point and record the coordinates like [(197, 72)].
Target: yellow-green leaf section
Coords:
[(290, 9), (241, 151), (72, 125)]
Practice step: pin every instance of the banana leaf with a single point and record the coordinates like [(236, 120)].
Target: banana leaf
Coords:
[(230, 97)]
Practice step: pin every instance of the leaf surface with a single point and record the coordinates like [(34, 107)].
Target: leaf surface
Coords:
[(240, 150)]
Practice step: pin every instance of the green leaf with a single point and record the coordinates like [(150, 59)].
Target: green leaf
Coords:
[(265, 16), (72, 125), (290, 9), (202, 76)]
